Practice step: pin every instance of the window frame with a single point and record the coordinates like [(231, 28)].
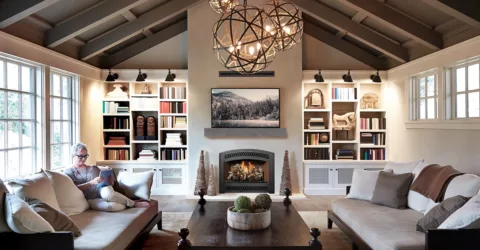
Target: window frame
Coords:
[(454, 93), (415, 98)]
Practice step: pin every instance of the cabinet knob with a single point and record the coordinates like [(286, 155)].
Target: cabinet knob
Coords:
[(331, 169), (160, 169)]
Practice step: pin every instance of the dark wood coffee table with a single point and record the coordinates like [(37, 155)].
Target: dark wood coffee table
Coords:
[(208, 229)]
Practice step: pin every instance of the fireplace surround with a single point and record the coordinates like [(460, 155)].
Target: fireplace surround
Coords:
[(246, 171)]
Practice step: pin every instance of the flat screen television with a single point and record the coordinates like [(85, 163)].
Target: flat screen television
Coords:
[(245, 108)]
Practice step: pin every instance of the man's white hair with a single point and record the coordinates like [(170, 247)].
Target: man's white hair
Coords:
[(78, 147)]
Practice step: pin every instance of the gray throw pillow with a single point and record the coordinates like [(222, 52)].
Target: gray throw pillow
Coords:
[(57, 219), (438, 214), (391, 190), (3, 223)]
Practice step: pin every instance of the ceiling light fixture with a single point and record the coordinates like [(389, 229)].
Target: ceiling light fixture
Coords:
[(318, 77), (376, 78), (347, 77), (222, 6), (141, 76), (241, 42), (170, 77), (111, 77), (288, 23)]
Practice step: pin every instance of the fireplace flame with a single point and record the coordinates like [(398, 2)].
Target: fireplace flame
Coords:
[(247, 168)]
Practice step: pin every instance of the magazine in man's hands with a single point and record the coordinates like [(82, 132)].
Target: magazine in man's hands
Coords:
[(108, 178)]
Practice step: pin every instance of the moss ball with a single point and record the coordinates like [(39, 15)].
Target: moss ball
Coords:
[(244, 211), (263, 201), (242, 202)]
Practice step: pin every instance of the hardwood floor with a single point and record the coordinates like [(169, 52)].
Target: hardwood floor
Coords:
[(178, 203)]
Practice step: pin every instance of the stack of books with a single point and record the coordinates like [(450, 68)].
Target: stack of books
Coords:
[(372, 138), (117, 140), (146, 155), (144, 103), (344, 154), (180, 122), (122, 110), (316, 123), (173, 139), (344, 93)]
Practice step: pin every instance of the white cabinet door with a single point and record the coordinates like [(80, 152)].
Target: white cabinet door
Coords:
[(170, 175), (318, 176), (343, 176)]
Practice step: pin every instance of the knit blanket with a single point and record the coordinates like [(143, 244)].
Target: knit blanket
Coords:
[(433, 181)]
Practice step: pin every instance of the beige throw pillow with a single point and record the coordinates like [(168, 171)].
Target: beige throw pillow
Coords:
[(35, 186), (22, 219), (136, 185), (3, 223), (70, 199), (363, 184), (391, 190), (57, 219), (438, 214)]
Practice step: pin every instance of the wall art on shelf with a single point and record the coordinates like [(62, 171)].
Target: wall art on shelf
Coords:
[(140, 128), (245, 108), (369, 101), (314, 99), (117, 92)]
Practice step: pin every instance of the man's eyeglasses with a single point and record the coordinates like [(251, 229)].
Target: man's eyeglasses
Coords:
[(81, 157)]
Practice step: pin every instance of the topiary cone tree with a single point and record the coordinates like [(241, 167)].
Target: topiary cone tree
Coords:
[(200, 183), (286, 178), (212, 191)]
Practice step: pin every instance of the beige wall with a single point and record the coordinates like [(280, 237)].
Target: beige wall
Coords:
[(203, 70), (458, 148)]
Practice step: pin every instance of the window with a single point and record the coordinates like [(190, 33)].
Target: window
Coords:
[(18, 118), (63, 113), (424, 91), (466, 91)]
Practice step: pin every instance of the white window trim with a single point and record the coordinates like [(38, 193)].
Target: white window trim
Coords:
[(454, 92), (413, 97)]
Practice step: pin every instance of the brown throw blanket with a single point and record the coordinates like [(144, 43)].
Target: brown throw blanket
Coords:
[(433, 181)]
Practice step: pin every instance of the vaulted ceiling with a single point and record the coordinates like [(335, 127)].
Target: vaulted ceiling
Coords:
[(380, 33)]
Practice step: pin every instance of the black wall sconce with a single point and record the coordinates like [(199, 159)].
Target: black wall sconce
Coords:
[(347, 77), (170, 77), (318, 77), (376, 78), (141, 76), (111, 77)]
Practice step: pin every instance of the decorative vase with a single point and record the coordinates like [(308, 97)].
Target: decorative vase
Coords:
[(248, 221)]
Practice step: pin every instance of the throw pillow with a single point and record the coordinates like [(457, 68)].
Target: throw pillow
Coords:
[(415, 200), (3, 223), (136, 185), (467, 216), (363, 184), (35, 186), (466, 185), (402, 167), (57, 219), (70, 199), (438, 214), (391, 190), (22, 219)]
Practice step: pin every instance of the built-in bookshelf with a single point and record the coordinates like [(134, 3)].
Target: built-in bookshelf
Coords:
[(322, 142), (165, 103)]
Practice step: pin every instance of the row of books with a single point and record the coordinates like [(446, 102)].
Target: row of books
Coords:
[(373, 154), (173, 139), (345, 154), (143, 103), (373, 123), (118, 154), (344, 93), (173, 93), (372, 138), (316, 139), (116, 123), (117, 140), (317, 154), (113, 108), (173, 107), (173, 122), (174, 154), (316, 123)]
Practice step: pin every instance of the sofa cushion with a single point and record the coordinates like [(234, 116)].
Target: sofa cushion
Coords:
[(466, 185), (70, 199), (381, 227), (402, 167), (363, 184), (105, 230), (467, 216), (438, 214), (22, 219), (36, 186), (3, 223)]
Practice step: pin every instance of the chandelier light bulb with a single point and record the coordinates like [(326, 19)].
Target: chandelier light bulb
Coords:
[(251, 50), (259, 46), (222, 6)]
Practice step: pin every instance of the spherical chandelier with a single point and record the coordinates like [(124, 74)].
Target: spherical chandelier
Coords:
[(222, 6), (241, 40), (288, 23)]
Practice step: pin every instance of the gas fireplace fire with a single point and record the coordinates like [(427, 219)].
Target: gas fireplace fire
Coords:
[(247, 171)]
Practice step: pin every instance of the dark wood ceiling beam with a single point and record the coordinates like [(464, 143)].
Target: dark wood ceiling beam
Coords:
[(12, 11), (343, 46), (358, 18), (468, 11), (398, 22), (143, 45), (82, 22), (153, 17), (353, 29), (131, 17)]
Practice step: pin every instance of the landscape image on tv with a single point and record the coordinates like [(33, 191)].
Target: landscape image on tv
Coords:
[(245, 108)]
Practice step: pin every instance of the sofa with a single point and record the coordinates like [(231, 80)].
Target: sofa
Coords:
[(126, 229), (372, 226)]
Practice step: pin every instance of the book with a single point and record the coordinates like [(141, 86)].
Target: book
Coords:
[(108, 178)]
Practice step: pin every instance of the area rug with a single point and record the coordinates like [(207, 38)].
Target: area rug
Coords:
[(332, 239)]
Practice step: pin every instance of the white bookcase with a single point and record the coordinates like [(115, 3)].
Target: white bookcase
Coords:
[(170, 175), (326, 175)]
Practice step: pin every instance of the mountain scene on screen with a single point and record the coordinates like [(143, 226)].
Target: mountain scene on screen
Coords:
[(245, 108)]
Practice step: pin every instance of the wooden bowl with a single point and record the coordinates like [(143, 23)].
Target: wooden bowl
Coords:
[(248, 221)]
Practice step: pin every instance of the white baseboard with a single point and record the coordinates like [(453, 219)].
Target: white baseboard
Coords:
[(324, 191), (167, 191)]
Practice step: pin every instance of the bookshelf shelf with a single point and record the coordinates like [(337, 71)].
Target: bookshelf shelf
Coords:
[(116, 114), (116, 130), (345, 142), (173, 129), (173, 114), (168, 146), (317, 146), (116, 146), (144, 110), (316, 130), (144, 141), (173, 100), (372, 146), (316, 110), (144, 95), (344, 100), (372, 110), (373, 130)]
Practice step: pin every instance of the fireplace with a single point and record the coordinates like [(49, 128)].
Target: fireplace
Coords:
[(247, 171)]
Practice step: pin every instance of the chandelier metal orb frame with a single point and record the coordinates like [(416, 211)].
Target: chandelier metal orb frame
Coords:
[(241, 40), (288, 23), (222, 6)]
